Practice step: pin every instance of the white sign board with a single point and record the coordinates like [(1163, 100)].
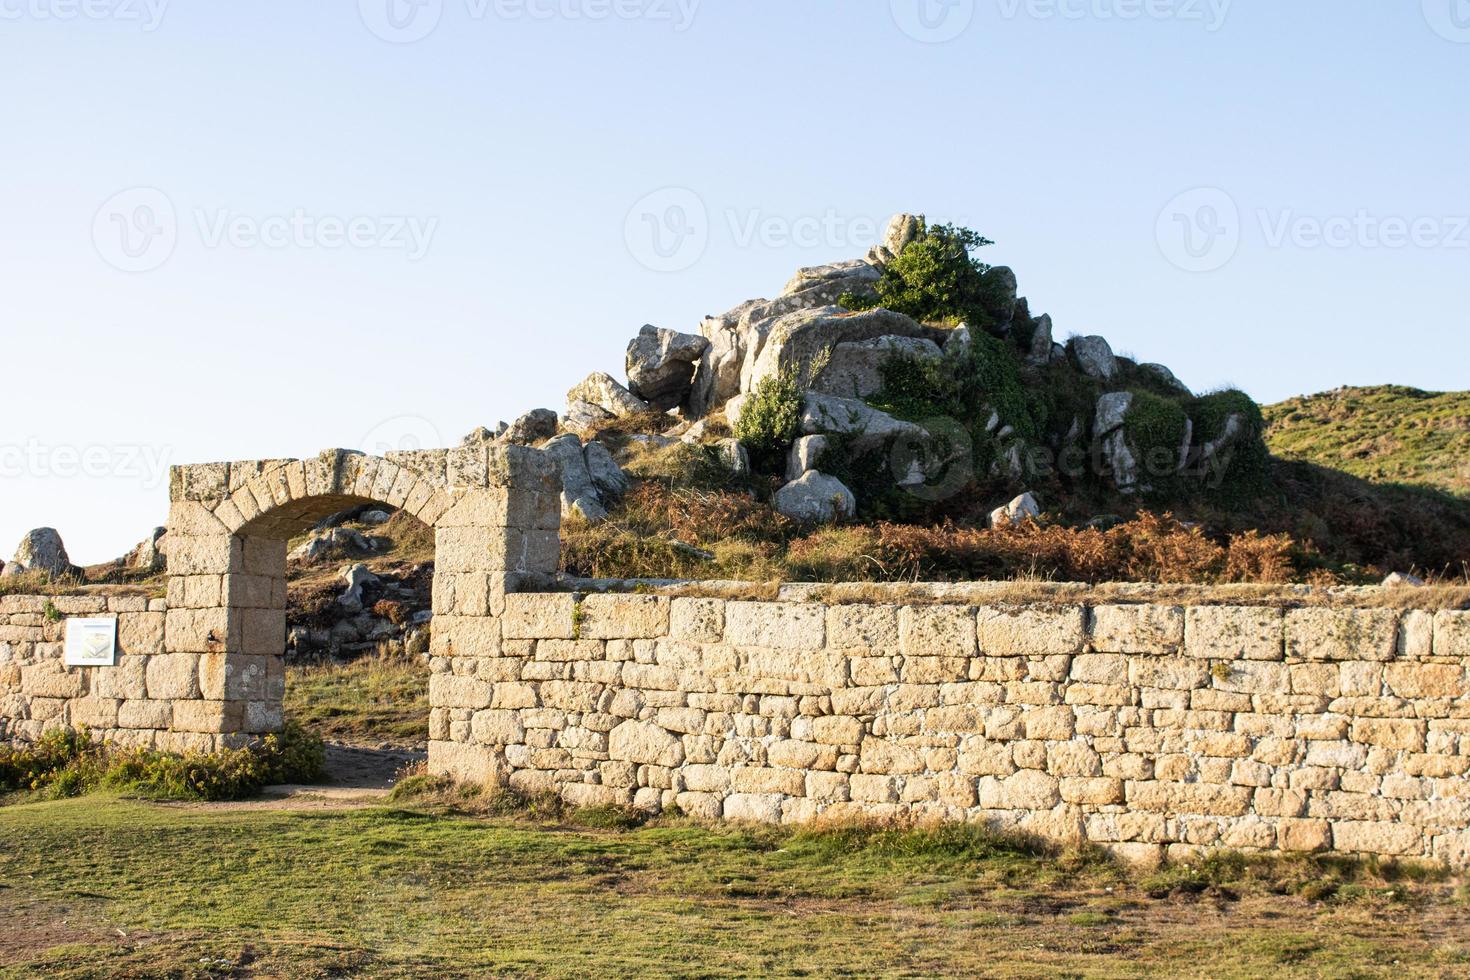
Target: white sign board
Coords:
[(91, 642)]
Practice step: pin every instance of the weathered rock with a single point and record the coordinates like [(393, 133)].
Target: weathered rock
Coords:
[(1403, 580), (149, 554), (661, 365), (815, 498), (579, 493), (1094, 357), (375, 517), (733, 408), (582, 416), (1166, 376), (902, 229), (40, 550), (537, 425), (879, 256), (735, 456), (478, 437), (358, 578), (338, 542), (859, 270), (600, 389), (999, 283), (959, 342), (855, 369), (828, 414), (608, 478), (796, 341), (1112, 410), (1040, 352), (805, 454), (1022, 508)]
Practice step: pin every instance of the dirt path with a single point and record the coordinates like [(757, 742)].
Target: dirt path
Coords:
[(357, 776)]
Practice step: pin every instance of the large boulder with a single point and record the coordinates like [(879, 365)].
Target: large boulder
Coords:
[(999, 284), (661, 364), (853, 272), (1094, 357), (805, 454), (148, 554), (1022, 508), (591, 479), (1167, 377), (583, 416), (796, 341), (601, 389), (579, 494), (40, 550), (1108, 430), (1040, 353), (537, 425), (902, 229), (815, 498), (855, 369), (827, 414), (338, 542)]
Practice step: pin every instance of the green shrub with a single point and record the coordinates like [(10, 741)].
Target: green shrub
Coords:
[(67, 763), (1156, 428), (1248, 460), (935, 279), (769, 421)]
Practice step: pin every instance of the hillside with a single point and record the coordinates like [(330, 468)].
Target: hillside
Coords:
[(1385, 434)]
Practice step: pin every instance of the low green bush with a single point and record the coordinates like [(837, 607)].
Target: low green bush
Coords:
[(769, 421), (71, 763), (935, 280)]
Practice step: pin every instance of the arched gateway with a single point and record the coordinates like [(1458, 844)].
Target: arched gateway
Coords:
[(495, 512)]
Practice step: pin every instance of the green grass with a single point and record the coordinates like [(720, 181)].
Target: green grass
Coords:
[(105, 887), (372, 700), (1386, 434)]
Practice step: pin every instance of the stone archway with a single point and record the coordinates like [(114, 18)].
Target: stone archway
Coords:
[(495, 513)]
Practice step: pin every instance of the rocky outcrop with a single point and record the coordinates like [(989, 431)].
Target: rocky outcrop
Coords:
[(805, 454), (1108, 430), (661, 365), (336, 543), (867, 427), (591, 479), (537, 425), (795, 342), (855, 368), (1023, 507), (815, 498), (41, 550), (602, 390), (1094, 357), (149, 554)]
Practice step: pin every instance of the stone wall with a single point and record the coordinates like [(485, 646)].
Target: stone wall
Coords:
[(1145, 728), (151, 699)]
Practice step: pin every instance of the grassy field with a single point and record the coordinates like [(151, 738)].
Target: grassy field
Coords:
[(107, 887), (369, 701), (1387, 434)]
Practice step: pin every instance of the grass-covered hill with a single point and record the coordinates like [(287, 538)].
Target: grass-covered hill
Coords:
[(1385, 434)]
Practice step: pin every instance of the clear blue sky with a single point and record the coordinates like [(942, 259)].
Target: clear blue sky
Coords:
[(520, 137)]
